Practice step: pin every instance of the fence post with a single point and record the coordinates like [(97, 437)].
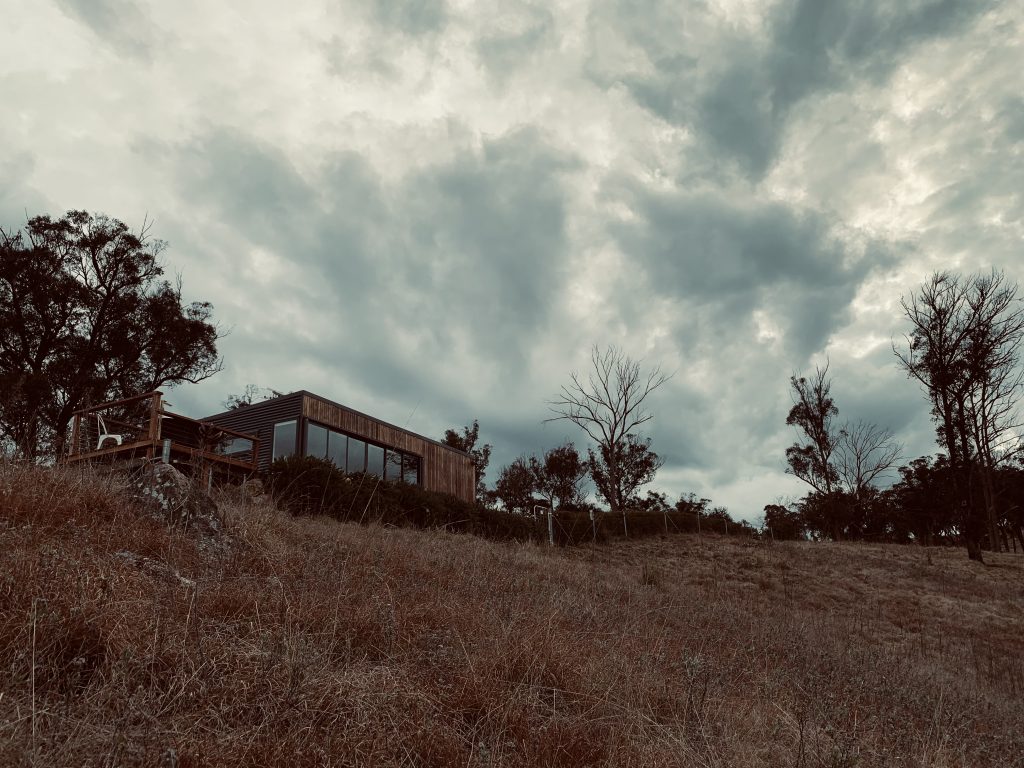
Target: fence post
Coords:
[(551, 522)]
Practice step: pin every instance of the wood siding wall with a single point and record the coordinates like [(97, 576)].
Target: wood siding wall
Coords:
[(443, 469), (259, 419)]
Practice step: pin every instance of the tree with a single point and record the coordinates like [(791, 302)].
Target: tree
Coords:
[(839, 463), (813, 414), (515, 487), (782, 523), (251, 394), (865, 452), (85, 317), (635, 465), (963, 348), (609, 406), (467, 442), (558, 476)]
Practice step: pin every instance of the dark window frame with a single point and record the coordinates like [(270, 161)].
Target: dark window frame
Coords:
[(366, 443), (295, 450)]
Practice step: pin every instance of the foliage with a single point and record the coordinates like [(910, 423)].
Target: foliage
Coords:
[(558, 476), (307, 485), (86, 316), (619, 471), (515, 487), (467, 442), (813, 414), (841, 464)]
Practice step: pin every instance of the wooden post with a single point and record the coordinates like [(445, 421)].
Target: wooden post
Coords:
[(75, 427), (154, 416), (154, 424)]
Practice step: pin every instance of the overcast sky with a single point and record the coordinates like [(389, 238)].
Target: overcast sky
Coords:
[(430, 211)]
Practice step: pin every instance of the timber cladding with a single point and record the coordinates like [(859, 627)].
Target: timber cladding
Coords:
[(444, 469)]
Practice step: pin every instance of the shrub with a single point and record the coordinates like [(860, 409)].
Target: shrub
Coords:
[(309, 485)]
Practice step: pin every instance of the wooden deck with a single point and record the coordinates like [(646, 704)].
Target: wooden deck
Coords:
[(142, 428)]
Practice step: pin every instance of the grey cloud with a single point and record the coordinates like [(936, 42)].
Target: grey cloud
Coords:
[(504, 52), (815, 46), (19, 201), (488, 239), (733, 258), (118, 22), (1012, 115), (414, 17), (741, 94), (464, 256), (253, 184)]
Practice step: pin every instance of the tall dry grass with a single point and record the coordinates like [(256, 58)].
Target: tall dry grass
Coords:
[(311, 642)]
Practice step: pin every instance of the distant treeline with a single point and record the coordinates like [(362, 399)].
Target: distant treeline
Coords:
[(922, 507)]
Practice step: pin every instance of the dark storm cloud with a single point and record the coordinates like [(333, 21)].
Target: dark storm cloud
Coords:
[(120, 23), (740, 99), (731, 258), (251, 183), (488, 240)]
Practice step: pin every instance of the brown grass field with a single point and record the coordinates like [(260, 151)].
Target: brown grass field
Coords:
[(306, 642)]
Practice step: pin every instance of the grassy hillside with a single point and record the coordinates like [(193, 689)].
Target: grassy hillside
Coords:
[(310, 642)]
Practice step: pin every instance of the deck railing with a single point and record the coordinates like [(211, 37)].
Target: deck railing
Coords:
[(141, 427)]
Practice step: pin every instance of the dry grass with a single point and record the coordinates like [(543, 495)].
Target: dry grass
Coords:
[(309, 642)]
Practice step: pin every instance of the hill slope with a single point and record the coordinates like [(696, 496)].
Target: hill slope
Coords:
[(309, 642)]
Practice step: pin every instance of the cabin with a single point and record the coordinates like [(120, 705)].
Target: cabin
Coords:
[(304, 424)]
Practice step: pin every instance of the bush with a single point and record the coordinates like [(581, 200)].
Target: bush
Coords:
[(309, 485)]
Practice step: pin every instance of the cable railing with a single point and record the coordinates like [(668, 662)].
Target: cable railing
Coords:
[(143, 427)]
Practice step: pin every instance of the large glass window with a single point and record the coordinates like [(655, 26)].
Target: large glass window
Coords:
[(356, 455), (393, 465), (375, 460), (337, 449), (285, 435), (316, 440), (411, 469)]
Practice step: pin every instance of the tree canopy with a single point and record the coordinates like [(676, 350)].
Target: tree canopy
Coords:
[(86, 315)]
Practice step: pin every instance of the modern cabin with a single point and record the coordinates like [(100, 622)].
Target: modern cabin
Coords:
[(305, 424)]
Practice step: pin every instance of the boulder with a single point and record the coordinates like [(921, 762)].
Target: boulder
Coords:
[(176, 499)]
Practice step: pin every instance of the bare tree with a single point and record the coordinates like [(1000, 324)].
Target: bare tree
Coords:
[(963, 347), (609, 405), (864, 453)]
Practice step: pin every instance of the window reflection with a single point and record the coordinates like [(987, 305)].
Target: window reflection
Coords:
[(393, 465), (356, 455), (284, 439), (411, 469), (375, 460), (337, 449), (316, 440)]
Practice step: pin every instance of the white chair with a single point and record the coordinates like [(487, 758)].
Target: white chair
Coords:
[(104, 435)]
